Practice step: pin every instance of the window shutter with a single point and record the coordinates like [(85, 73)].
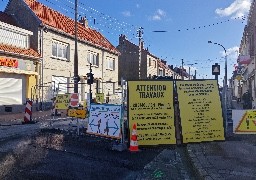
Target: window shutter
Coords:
[(97, 59), (113, 61)]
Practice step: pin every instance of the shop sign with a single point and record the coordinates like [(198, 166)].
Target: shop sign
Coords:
[(8, 62)]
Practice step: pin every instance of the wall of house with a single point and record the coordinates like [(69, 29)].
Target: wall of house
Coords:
[(58, 67), (151, 66), (25, 19), (128, 60)]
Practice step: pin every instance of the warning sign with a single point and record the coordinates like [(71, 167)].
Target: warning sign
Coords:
[(151, 109), (200, 111), (62, 101), (247, 124), (216, 69)]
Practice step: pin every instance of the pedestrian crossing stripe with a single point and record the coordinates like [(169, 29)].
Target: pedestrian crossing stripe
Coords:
[(248, 123)]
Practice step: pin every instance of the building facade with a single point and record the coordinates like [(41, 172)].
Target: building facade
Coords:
[(149, 65), (54, 38), (18, 65), (247, 60)]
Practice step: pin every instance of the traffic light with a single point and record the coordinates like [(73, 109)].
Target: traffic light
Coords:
[(76, 79), (89, 78)]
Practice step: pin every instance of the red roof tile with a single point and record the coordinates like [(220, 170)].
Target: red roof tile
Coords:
[(16, 50), (61, 22), (7, 19)]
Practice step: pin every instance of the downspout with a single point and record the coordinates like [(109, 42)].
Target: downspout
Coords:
[(42, 65), (102, 73)]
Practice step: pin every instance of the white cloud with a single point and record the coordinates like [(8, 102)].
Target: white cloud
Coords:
[(232, 53), (126, 13), (237, 9), (158, 15)]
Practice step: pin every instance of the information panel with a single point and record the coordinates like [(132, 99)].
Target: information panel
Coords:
[(200, 111), (104, 120), (151, 109)]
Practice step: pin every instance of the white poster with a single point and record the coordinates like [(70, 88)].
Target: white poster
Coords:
[(105, 120)]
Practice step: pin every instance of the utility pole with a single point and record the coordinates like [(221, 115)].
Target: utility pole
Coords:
[(76, 55), (140, 33), (182, 63)]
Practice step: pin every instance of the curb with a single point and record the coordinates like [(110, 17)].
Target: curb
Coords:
[(191, 159)]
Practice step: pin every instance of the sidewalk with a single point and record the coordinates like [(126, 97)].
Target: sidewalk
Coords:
[(231, 159), (9, 119)]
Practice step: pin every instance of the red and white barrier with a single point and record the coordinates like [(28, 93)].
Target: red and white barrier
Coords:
[(28, 112)]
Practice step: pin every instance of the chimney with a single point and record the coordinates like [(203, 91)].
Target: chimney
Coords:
[(84, 22)]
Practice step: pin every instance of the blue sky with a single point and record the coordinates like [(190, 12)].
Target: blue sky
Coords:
[(189, 25)]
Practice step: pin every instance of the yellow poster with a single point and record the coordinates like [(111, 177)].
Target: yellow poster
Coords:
[(200, 111), (247, 124), (151, 109), (100, 98), (62, 101)]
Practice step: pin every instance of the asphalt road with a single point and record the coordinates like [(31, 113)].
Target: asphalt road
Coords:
[(37, 151)]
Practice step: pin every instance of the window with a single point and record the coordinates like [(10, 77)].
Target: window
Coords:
[(161, 72), (149, 61), (93, 58), (111, 63), (60, 50)]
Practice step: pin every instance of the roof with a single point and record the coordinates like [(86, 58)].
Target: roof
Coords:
[(7, 19), (63, 23), (26, 52)]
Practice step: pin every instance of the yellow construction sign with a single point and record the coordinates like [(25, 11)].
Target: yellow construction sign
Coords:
[(62, 101), (248, 123), (151, 110), (78, 113), (200, 111), (100, 98)]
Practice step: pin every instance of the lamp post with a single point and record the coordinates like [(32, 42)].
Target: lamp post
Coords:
[(76, 54), (225, 84)]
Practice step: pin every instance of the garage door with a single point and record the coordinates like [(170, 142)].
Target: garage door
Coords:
[(12, 89)]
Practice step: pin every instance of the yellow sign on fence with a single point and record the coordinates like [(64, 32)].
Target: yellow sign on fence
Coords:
[(78, 113), (151, 109), (62, 101), (100, 97), (200, 111)]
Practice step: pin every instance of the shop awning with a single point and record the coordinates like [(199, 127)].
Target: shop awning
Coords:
[(244, 59)]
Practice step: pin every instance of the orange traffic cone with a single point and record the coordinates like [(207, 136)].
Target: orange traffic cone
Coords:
[(134, 142)]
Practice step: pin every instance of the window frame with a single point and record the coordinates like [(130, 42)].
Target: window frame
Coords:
[(62, 50), (93, 58), (110, 61)]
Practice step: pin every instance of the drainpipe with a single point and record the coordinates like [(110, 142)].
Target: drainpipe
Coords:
[(42, 65)]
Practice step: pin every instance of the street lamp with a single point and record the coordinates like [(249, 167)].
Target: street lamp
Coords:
[(225, 84)]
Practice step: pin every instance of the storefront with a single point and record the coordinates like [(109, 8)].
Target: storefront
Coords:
[(17, 77)]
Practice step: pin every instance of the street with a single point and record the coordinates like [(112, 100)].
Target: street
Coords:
[(38, 151)]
